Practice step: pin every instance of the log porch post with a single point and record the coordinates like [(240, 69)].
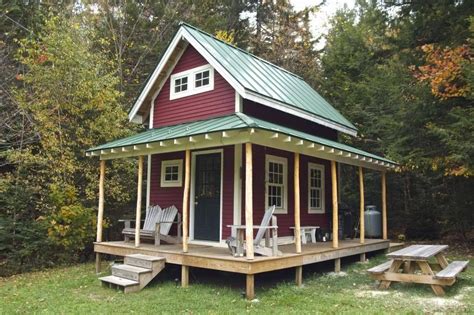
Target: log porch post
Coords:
[(384, 205), (249, 203), (297, 203), (187, 179), (139, 201), (335, 209), (100, 212), (362, 206)]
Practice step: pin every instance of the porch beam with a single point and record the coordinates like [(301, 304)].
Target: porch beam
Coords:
[(362, 206), (100, 212), (384, 205), (335, 214), (187, 180), (139, 201), (297, 202), (249, 203)]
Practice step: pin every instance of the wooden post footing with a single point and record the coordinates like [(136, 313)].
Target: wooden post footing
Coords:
[(98, 260), (362, 257), (184, 276), (250, 287), (337, 265), (299, 276)]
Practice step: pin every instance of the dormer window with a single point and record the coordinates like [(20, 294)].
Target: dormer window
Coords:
[(193, 81), (201, 79), (181, 84)]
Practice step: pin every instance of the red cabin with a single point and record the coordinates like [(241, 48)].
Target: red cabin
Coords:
[(230, 136)]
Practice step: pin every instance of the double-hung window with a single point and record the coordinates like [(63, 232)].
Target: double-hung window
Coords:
[(193, 81), (171, 173), (276, 184), (315, 188)]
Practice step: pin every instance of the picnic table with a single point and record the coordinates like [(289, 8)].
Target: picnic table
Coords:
[(405, 264)]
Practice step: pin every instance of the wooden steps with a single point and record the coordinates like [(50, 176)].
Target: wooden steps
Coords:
[(136, 272)]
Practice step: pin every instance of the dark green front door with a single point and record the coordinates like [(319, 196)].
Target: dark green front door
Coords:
[(207, 200)]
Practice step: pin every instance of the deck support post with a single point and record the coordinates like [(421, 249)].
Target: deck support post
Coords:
[(297, 202), (299, 276), (100, 213), (138, 218), (337, 265), (362, 206), (384, 205), (250, 286), (362, 257), (249, 206), (187, 179), (184, 276), (335, 209)]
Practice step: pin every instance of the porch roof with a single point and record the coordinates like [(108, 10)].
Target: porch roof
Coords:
[(233, 129)]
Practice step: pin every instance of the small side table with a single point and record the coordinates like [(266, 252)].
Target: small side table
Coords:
[(307, 231)]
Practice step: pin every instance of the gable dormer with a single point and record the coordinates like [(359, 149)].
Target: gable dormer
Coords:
[(194, 90), (200, 77)]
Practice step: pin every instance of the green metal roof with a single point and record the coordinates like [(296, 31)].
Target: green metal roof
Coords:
[(266, 79), (226, 123), (262, 124), (177, 131)]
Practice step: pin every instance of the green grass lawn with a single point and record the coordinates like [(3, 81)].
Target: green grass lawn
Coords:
[(76, 289)]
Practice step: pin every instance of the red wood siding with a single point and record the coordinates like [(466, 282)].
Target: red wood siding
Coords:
[(285, 221), (218, 102), (273, 115), (167, 196)]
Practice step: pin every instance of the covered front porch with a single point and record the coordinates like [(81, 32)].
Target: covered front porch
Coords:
[(243, 133)]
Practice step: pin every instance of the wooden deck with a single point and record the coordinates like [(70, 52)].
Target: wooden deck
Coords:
[(219, 258)]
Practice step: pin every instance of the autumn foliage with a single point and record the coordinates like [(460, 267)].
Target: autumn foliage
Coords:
[(444, 70)]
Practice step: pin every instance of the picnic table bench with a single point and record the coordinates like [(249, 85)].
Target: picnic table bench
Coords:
[(405, 262)]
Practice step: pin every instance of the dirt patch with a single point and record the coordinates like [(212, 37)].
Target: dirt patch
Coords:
[(371, 293), (337, 274)]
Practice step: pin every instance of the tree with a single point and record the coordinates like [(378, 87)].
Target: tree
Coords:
[(375, 72), (69, 91)]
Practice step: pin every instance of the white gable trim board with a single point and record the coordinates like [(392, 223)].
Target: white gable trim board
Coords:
[(183, 34)]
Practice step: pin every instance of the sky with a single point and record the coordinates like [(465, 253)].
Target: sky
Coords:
[(319, 21)]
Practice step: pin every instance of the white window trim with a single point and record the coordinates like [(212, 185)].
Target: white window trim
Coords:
[(174, 183), (277, 159), (322, 209), (192, 89)]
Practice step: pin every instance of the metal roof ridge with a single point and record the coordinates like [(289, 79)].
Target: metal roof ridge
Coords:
[(240, 49)]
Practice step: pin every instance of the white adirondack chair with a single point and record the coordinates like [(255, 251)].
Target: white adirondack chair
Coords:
[(264, 229), (157, 225)]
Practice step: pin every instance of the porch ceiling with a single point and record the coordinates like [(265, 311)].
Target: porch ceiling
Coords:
[(234, 129)]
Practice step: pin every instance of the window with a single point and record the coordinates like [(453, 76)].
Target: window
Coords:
[(171, 173), (201, 79), (181, 84), (315, 188), (276, 183), (193, 81)]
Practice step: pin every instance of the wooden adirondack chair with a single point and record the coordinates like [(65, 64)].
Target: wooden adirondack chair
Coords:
[(166, 220), (157, 225), (236, 246)]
